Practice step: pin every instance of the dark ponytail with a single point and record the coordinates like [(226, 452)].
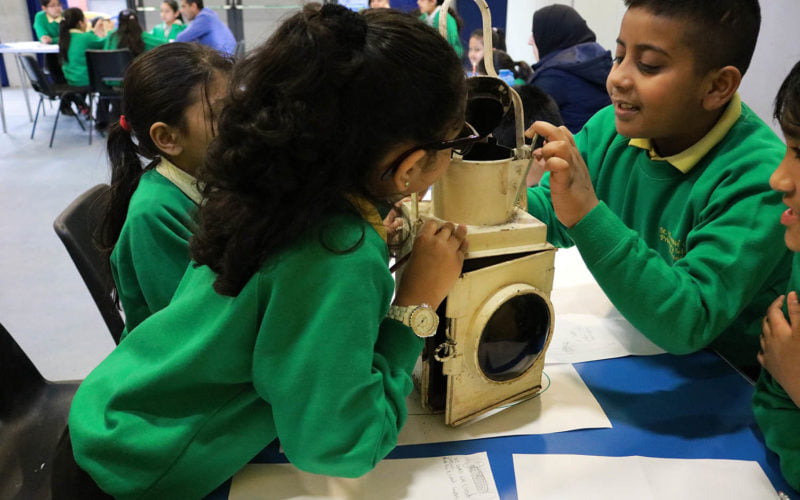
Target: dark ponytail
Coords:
[(311, 116), (71, 18), (159, 86), (129, 32)]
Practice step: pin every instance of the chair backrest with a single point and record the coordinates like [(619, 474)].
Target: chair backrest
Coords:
[(33, 416), (106, 64), (75, 227), (36, 75)]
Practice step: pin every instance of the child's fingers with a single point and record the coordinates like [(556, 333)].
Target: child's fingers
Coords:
[(774, 317), (793, 308)]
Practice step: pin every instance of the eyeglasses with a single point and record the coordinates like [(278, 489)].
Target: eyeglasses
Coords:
[(460, 145)]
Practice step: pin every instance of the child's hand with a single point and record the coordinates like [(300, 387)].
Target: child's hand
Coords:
[(780, 345), (394, 223), (46, 39), (434, 265), (570, 186)]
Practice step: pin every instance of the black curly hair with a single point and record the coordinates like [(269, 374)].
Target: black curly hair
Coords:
[(311, 114)]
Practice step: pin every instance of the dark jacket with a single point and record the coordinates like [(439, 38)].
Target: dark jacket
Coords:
[(575, 78)]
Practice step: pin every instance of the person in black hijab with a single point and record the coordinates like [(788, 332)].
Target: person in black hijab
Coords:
[(572, 66)]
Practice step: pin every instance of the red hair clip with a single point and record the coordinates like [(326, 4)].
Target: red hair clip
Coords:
[(123, 122)]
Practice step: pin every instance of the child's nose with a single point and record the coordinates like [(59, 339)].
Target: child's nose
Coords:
[(778, 181)]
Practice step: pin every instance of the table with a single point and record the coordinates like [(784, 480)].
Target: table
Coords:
[(19, 48), (664, 406)]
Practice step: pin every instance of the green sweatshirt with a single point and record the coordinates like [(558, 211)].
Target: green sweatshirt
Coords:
[(691, 260), (777, 415), (304, 353), (42, 26), (453, 37), (152, 252), (159, 31), (150, 41), (75, 70)]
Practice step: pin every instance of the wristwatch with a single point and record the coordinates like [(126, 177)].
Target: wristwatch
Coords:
[(422, 319)]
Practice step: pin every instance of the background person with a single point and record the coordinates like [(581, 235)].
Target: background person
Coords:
[(46, 21), (171, 21), (572, 67), (129, 35), (205, 27)]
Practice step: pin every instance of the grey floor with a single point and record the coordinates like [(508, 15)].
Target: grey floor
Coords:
[(43, 301)]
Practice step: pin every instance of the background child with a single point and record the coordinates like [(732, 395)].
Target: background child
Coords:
[(46, 21), (73, 42), (172, 21), (672, 224), (429, 12), (171, 99), (129, 35), (280, 330), (777, 399)]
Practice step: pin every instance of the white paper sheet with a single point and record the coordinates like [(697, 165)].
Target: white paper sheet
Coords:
[(578, 477), (454, 477), (566, 404), (587, 326)]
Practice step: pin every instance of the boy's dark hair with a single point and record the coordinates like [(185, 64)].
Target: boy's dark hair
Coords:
[(199, 3), (159, 86), (295, 140), (129, 32), (787, 102), (45, 3), (720, 32), (70, 19)]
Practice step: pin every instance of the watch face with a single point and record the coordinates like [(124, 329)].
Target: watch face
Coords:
[(424, 321)]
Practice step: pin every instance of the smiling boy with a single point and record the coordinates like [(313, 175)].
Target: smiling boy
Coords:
[(776, 402), (665, 193)]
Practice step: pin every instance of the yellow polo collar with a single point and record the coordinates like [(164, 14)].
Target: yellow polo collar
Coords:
[(182, 180), (687, 159)]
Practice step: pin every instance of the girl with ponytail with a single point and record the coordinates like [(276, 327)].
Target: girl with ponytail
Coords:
[(288, 325), (73, 42), (129, 35), (172, 97)]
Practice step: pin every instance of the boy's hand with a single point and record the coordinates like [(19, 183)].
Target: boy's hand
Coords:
[(780, 345), (570, 186)]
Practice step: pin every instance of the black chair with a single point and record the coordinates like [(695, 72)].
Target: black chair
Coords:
[(106, 71), (33, 415), (47, 90), (75, 226)]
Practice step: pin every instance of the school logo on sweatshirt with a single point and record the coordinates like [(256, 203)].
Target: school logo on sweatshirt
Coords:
[(677, 248)]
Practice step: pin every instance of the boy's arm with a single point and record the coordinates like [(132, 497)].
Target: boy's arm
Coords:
[(40, 28), (685, 305), (780, 345)]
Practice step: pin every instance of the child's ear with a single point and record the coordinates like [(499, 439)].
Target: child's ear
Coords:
[(165, 139), (407, 173), (724, 83)]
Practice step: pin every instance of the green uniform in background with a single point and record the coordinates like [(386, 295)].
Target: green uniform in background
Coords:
[(453, 37), (776, 414), (690, 259), (45, 26), (75, 70), (150, 41), (304, 353), (159, 30), (152, 252)]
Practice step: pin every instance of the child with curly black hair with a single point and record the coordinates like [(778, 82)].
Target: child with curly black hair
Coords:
[(289, 325)]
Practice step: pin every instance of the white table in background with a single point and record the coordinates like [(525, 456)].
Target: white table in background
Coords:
[(17, 49)]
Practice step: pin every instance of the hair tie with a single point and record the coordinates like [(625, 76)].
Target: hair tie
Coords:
[(123, 122)]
